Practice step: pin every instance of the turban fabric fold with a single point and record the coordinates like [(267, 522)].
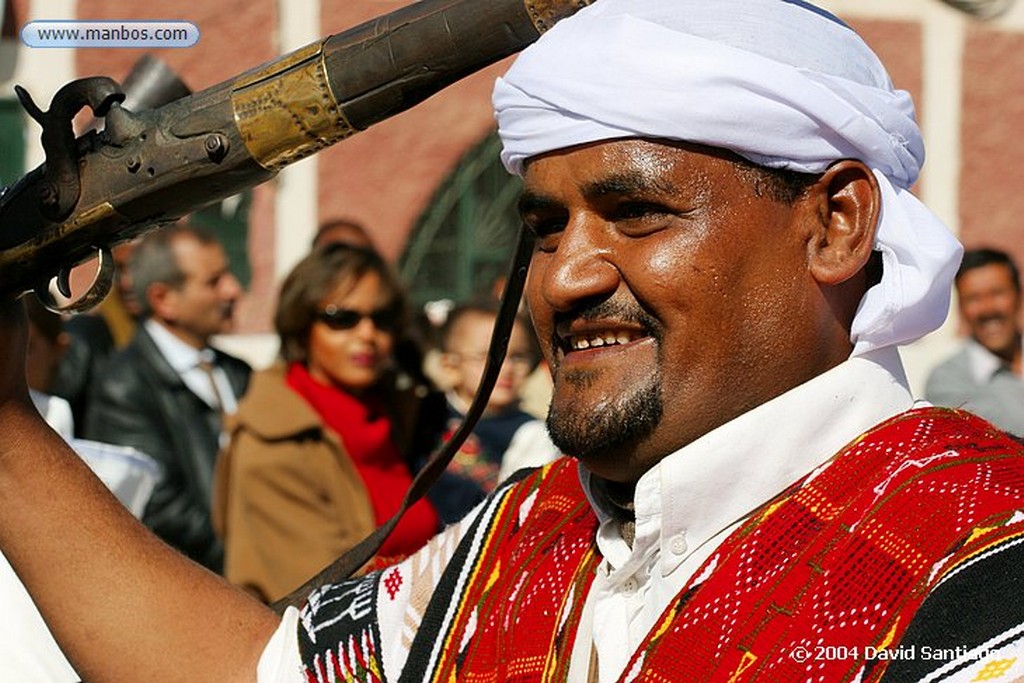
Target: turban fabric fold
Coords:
[(779, 82)]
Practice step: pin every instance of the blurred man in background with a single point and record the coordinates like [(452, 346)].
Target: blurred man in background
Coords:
[(986, 375), (167, 392)]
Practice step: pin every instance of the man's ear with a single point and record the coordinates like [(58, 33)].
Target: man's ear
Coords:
[(849, 203), (162, 300)]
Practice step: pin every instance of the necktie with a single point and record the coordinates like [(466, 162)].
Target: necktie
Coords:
[(207, 367)]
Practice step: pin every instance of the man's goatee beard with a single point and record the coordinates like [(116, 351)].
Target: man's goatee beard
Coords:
[(596, 433)]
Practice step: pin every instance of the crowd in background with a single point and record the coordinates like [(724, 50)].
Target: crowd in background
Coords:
[(708, 490), (267, 475)]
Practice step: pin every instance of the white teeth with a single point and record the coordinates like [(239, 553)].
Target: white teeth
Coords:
[(599, 340)]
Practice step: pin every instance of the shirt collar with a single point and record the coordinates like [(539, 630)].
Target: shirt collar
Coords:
[(983, 364), (177, 353), (706, 486)]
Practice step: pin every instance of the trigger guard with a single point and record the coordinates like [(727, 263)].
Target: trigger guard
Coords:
[(50, 296)]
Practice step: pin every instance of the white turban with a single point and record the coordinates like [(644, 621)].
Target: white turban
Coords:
[(779, 82)]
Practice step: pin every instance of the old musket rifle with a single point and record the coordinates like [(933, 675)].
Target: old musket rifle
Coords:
[(149, 168)]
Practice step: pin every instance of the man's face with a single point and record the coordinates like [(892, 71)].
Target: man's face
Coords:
[(989, 305), (204, 304), (667, 295)]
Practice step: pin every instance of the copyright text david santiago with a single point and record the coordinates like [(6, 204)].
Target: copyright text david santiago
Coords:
[(828, 653)]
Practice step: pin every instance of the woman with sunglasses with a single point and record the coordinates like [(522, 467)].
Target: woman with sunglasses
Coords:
[(318, 450)]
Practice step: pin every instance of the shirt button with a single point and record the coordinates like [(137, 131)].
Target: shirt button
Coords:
[(678, 544), (630, 586)]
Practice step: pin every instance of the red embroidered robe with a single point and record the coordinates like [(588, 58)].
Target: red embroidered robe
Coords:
[(841, 560)]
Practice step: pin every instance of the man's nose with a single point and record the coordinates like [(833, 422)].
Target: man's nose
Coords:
[(230, 287), (580, 268)]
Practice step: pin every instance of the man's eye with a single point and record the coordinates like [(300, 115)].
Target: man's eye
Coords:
[(633, 210), (638, 219), (546, 234), (545, 228)]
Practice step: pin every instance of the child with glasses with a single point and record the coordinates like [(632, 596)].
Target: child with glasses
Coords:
[(506, 438)]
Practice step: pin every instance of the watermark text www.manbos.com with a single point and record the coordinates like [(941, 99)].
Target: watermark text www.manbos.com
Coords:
[(144, 34), (827, 653)]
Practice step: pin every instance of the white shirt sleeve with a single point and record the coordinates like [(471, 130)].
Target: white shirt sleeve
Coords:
[(530, 447), (28, 651), (280, 661)]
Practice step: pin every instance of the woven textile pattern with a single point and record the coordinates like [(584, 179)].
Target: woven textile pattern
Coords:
[(843, 559)]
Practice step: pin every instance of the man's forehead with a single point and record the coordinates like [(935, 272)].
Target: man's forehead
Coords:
[(641, 148), (198, 258), (621, 167), (986, 273)]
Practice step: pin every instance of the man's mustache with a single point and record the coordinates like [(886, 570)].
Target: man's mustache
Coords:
[(609, 309)]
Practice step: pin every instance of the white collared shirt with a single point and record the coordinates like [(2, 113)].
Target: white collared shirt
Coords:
[(983, 363), (186, 361), (687, 504)]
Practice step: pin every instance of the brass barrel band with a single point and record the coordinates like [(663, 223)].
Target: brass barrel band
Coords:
[(288, 113)]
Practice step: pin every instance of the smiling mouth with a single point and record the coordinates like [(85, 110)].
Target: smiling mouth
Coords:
[(600, 339), (593, 336), (603, 326)]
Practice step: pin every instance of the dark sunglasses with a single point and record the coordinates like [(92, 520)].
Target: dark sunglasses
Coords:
[(384, 319)]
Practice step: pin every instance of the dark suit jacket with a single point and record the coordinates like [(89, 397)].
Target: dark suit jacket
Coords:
[(142, 402), (90, 348)]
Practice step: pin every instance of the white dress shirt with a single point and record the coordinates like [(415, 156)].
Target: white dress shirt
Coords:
[(687, 504), (56, 411), (186, 361), (982, 362)]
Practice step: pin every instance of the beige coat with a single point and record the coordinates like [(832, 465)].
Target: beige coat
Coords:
[(288, 500)]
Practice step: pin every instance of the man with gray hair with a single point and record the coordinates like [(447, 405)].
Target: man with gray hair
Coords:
[(727, 256), (167, 392)]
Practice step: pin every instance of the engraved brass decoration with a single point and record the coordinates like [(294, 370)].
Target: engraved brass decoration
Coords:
[(287, 112), (28, 250)]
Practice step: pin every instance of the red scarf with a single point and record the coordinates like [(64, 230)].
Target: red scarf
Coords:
[(365, 430)]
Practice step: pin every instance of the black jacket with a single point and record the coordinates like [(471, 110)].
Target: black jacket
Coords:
[(142, 402), (82, 366)]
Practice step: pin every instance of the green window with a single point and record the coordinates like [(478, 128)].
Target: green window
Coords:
[(462, 244), (12, 141)]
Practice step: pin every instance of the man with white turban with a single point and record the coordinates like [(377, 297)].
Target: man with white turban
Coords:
[(727, 256)]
